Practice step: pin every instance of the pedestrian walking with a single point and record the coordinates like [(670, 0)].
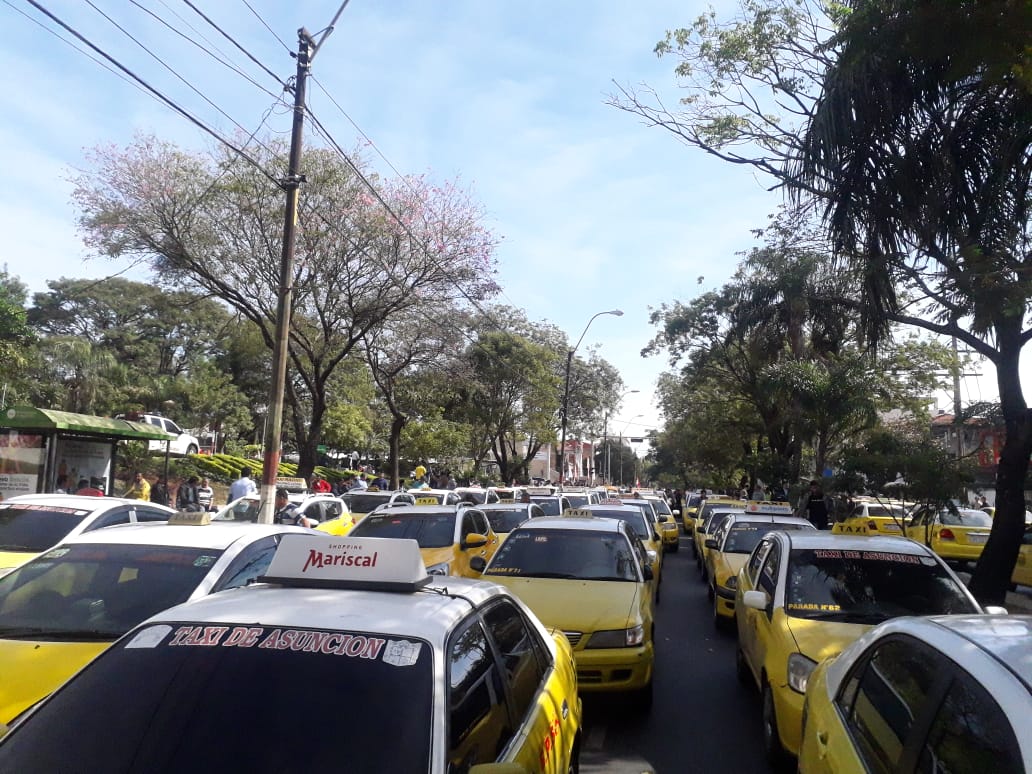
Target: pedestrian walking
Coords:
[(815, 506), (243, 486)]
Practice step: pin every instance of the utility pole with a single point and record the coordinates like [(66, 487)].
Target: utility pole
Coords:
[(291, 185), (958, 424)]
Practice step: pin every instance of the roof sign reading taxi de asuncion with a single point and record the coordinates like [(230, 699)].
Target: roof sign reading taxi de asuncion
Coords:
[(356, 563)]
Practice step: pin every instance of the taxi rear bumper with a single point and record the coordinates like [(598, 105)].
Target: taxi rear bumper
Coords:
[(614, 669)]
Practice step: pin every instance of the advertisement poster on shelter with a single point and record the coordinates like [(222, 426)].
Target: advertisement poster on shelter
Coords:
[(83, 460), (21, 463)]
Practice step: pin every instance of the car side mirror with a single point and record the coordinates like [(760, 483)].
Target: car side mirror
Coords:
[(711, 543), (477, 563), (473, 540), (676, 512), (647, 572), (996, 610), (756, 599)]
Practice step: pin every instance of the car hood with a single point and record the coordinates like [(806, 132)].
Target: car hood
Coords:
[(432, 556), (596, 605), (11, 559), (33, 669), (819, 640)]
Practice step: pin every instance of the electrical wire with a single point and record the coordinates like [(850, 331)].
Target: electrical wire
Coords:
[(172, 70), (265, 24), (228, 37), (207, 51), (155, 92)]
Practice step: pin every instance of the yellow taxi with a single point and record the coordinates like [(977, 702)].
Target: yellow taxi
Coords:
[(1023, 566), (956, 535), (435, 496), (588, 577), (463, 674), (360, 504), (871, 517), (804, 595), (61, 609), (944, 694), (689, 510), (706, 511), (505, 517), (668, 529), (30, 524), (640, 524), (449, 536), (730, 547), (508, 494)]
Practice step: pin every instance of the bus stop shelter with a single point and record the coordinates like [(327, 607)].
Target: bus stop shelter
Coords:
[(40, 446)]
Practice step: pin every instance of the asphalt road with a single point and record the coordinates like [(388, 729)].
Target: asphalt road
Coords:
[(702, 719)]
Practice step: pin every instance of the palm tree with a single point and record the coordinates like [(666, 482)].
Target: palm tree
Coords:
[(919, 148)]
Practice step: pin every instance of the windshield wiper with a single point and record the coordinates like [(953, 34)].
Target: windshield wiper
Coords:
[(16, 547), (608, 578), (846, 616), (566, 575)]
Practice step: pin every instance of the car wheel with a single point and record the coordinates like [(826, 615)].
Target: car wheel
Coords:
[(675, 547), (191, 449), (742, 669), (720, 623), (574, 767), (772, 748)]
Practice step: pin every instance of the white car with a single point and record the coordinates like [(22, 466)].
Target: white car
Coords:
[(444, 676), (317, 507), (182, 444), (61, 609), (953, 692), (30, 524)]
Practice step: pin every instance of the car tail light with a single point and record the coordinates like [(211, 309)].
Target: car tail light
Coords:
[(946, 534)]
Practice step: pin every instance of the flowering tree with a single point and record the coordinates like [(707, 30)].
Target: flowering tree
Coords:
[(213, 221)]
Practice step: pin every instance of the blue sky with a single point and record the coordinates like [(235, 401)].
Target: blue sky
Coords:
[(596, 211)]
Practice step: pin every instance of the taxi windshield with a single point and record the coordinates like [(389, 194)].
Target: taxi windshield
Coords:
[(966, 518), (636, 520), (742, 537), (242, 698), (430, 530), (891, 511), (578, 554), (35, 528), (578, 500), (550, 505), (661, 507), (869, 586), (364, 503), (475, 496), (96, 590), (244, 509), (506, 519)]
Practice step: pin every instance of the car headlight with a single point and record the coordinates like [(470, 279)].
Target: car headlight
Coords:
[(441, 568), (618, 638), (799, 669)]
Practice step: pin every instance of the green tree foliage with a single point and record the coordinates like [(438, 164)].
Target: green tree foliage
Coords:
[(16, 336), (920, 148), (213, 222)]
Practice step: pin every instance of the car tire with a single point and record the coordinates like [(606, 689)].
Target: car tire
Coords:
[(191, 449), (720, 623), (772, 749), (710, 595), (675, 547), (742, 669)]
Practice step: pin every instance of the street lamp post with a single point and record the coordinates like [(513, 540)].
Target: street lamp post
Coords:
[(566, 392), (608, 477), (621, 444)]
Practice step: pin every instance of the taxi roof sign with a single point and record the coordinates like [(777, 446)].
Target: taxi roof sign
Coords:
[(581, 513), (326, 561), (768, 507), (190, 518)]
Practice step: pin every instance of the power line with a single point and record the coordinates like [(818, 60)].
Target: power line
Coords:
[(207, 51), (270, 29), (168, 101), (228, 37), (168, 67)]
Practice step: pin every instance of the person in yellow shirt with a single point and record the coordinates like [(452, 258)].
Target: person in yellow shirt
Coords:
[(139, 489)]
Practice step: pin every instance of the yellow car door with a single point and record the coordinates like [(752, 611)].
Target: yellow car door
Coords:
[(476, 538), (745, 616), (1023, 566), (764, 633)]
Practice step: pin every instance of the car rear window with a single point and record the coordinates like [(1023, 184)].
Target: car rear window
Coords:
[(578, 554), (202, 697), (430, 530), (869, 586), (35, 528), (635, 518), (550, 505), (743, 537), (506, 520), (966, 518), (365, 503), (98, 590)]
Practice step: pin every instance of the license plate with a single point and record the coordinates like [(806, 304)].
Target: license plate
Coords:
[(889, 528), (978, 539)]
